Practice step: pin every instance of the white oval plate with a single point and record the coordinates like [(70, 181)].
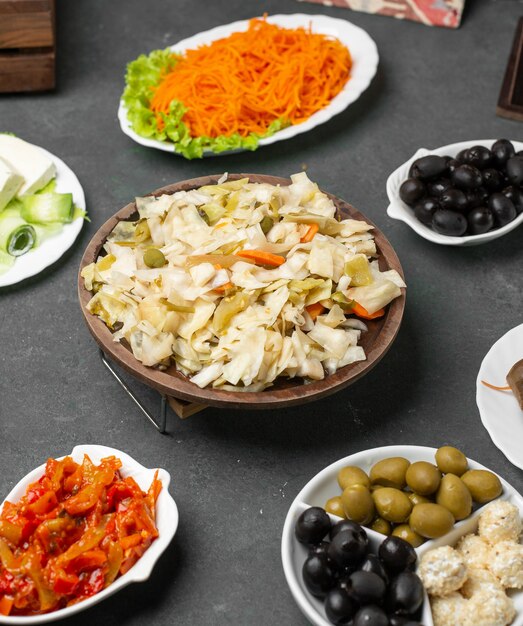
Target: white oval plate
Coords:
[(52, 248), (166, 522), (362, 48), (499, 410), (325, 485), (398, 210)]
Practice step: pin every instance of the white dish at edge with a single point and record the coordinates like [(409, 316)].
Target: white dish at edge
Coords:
[(362, 48), (166, 522), (499, 410), (398, 210), (324, 486), (51, 249)]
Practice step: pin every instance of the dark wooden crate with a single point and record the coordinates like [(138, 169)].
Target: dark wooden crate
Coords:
[(27, 45), (510, 103)]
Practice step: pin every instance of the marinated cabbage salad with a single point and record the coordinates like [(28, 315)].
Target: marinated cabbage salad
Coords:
[(30, 208), (240, 283)]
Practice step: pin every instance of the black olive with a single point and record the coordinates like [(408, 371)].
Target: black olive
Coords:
[(449, 223), (348, 548), (396, 555), (401, 620), (452, 164), (412, 190), (428, 167), (367, 588), (374, 565), (515, 170), (503, 209), (466, 177), (516, 195), (476, 197), (398, 620), (312, 525), (347, 524), (502, 150), (462, 156), (437, 187), (319, 575), (320, 549), (424, 209), (405, 594), (492, 179), (453, 200), (479, 157), (480, 220), (371, 616), (340, 607)]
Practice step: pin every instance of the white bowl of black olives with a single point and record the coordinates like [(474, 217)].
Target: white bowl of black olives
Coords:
[(333, 564), (462, 194)]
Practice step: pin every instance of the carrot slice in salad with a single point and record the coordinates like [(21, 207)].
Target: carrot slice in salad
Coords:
[(315, 309), (360, 311), (262, 258), (311, 231)]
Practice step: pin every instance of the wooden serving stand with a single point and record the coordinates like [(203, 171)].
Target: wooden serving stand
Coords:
[(27, 45), (177, 390)]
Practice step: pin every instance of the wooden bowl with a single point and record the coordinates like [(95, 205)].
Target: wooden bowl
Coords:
[(285, 392)]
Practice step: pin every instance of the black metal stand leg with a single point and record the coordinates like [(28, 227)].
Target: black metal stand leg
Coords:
[(162, 423)]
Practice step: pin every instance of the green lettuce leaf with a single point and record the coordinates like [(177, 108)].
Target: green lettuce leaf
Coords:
[(146, 72)]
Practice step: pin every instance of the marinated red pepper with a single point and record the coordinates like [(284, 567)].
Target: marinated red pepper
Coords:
[(76, 529)]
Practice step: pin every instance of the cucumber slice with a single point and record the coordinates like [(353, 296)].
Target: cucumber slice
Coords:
[(16, 236), (43, 208), (43, 231)]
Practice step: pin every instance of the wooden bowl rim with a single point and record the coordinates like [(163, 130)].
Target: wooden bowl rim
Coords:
[(178, 385)]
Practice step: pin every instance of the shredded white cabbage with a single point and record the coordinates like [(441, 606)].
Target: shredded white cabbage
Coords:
[(245, 290)]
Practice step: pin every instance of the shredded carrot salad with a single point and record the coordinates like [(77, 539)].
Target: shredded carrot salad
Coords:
[(244, 82)]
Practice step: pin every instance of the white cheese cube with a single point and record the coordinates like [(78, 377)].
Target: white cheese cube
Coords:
[(28, 161), (10, 183)]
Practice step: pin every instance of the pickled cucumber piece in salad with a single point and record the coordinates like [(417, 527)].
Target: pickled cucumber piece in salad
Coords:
[(256, 281)]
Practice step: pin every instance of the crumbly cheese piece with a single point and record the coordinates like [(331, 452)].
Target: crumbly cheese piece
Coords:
[(474, 551), (506, 564), (442, 571), (27, 161), (448, 611), (487, 608), (10, 183), (500, 521), (482, 582)]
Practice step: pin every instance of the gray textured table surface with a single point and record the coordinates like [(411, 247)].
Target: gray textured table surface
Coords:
[(234, 474)]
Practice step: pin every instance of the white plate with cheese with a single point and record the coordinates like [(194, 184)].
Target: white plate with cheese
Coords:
[(25, 169)]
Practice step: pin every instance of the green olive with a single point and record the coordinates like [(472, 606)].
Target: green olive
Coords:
[(451, 460), (335, 507), (390, 472), (358, 504), (392, 504), (431, 520), (266, 224), (352, 475), (153, 257), (415, 498), (483, 485), (381, 525), (374, 488), (454, 496), (423, 478), (405, 532)]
